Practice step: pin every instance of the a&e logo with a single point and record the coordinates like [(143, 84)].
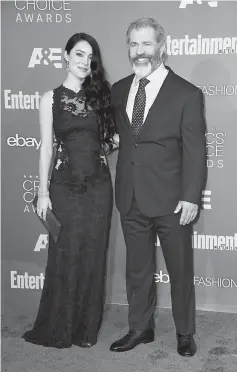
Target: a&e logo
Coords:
[(41, 243), (184, 3), (46, 56)]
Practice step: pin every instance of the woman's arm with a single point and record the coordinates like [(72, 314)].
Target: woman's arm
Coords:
[(46, 131), (116, 141)]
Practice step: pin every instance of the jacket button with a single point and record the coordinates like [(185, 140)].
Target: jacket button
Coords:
[(135, 145), (137, 164)]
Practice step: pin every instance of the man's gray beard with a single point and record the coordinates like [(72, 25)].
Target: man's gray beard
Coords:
[(142, 70)]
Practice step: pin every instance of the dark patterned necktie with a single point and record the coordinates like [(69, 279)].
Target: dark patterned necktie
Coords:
[(139, 106)]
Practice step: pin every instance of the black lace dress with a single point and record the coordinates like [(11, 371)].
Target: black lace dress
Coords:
[(72, 300)]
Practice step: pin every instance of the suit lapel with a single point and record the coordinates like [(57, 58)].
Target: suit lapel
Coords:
[(124, 105), (162, 99)]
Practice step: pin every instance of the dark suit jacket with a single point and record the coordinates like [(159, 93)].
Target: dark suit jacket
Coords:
[(167, 161)]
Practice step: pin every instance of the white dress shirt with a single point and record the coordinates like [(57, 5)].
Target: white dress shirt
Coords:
[(156, 79)]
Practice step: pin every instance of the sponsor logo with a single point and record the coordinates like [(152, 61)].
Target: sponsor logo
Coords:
[(30, 189), (206, 199), (42, 242), (214, 282), (219, 90), (26, 281), (19, 141), (161, 277), (46, 57), (183, 3), (20, 101), (212, 242), (201, 45), (200, 281), (215, 242), (215, 142), (43, 11)]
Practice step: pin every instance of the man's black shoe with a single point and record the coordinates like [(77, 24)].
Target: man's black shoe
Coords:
[(132, 339), (186, 345)]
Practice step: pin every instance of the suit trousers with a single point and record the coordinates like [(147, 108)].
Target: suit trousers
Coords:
[(176, 242)]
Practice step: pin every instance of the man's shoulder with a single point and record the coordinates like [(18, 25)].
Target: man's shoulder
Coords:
[(120, 84), (184, 84)]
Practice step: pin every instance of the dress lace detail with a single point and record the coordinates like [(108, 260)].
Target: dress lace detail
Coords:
[(61, 157), (72, 300), (75, 105)]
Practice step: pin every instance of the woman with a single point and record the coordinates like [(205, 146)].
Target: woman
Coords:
[(80, 195)]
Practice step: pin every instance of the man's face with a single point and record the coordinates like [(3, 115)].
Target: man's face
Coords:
[(144, 51)]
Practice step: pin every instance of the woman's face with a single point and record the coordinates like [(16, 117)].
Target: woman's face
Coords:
[(79, 59)]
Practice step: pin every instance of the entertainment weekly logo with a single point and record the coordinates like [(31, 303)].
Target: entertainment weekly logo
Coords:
[(201, 45), (26, 280), (214, 242), (200, 281), (43, 11), (20, 101)]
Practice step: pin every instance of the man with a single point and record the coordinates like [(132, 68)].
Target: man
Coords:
[(160, 175)]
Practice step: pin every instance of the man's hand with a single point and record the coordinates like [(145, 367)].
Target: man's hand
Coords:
[(189, 212)]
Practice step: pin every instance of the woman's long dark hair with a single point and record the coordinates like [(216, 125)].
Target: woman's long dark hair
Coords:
[(97, 89)]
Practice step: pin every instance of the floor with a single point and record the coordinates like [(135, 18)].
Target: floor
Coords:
[(216, 340)]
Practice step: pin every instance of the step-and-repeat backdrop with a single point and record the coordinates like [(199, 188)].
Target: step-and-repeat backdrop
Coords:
[(202, 47)]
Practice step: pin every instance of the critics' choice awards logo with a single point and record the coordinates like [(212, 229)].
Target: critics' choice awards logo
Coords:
[(201, 45), (46, 57), (43, 11), (183, 3), (200, 281), (26, 280), (215, 144), (21, 101), (30, 186)]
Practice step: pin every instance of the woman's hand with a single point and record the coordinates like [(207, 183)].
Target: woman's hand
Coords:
[(116, 139), (43, 204)]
